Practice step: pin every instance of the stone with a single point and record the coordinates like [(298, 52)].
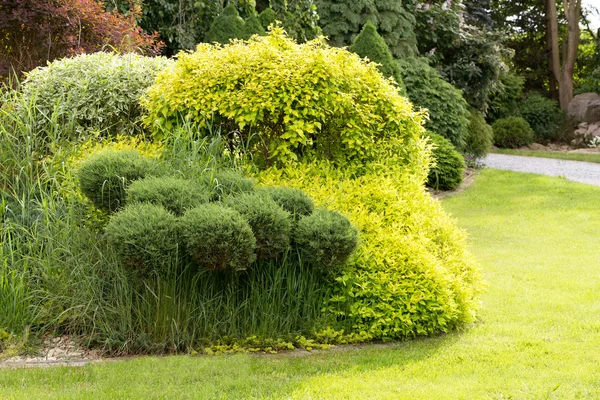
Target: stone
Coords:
[(585, 107)]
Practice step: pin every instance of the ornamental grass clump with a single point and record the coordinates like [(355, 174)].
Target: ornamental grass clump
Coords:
[(218, 238), (104, 177), (325, 240), (270, 223), (173, 193), (146, 238)]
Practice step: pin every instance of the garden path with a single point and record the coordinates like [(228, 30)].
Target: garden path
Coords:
[(578, 171)]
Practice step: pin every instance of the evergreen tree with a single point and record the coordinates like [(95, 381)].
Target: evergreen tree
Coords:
[(341, 22), (252, 27), (267, 17), (228, 25), (371, 45)]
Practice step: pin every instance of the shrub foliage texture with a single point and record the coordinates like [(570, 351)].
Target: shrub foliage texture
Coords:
[(512, 132)]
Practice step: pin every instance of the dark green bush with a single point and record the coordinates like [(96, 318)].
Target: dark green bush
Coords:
[(325, 240), (448, 110), (267, 17), (590, 83), (506, 102), (227, 26), (145, 236), (252, 26), (480, 136), (104, 177), (173, 193), (218, 238), (270, 223), (292, 200), (226, 182), (542, 114), (371, 45), (512, 132), (449, 165)]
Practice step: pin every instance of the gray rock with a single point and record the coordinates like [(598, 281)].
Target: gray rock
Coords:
[(585, 107)]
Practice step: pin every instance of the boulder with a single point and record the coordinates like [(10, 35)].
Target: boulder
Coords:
[(585, 107)]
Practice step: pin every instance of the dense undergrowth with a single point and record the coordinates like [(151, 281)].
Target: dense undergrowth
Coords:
[(61, 273)]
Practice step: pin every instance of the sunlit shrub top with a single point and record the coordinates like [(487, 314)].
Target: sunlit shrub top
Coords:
[(287, 100)]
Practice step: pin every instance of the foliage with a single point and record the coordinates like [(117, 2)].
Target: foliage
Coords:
[(448, 167), (590, 83), (480, 136), (292, 200), (33, 32), (412, 274), (506, 102), (448, 111), (104, 177), (326, 240), (218, 238), (270, 224), (145, 237), (341, 21), (267, 17), (256, 88), (299, 18), (542, 115), (97, 91), (512, 132), (369, 44), (175, 194), (226, 182), (227, 26)]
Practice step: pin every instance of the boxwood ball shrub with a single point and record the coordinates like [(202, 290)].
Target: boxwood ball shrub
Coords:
[(226, 182), (98, 91), (448, 167), (293, 200), (104, 177), (146, 237), (286, 100), (325, 239), (218, 238), (480, 136), (448, 110), (270, 223), (512, 132), (173, 193)]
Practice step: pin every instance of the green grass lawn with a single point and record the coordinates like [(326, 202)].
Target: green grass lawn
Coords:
[(538, 337), (589, 157)]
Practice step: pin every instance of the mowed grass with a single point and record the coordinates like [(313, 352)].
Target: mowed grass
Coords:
[(538, 336), (589, 157)]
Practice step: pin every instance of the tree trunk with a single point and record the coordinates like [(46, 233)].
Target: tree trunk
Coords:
[(552, 82), (564, 73)]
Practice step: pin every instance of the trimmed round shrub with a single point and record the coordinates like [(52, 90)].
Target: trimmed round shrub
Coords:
[(173, 193), (326, 239), (218, 238), (270, 223), (104, 177), (448, 110), (350, 112), (480, 136), (145, 237), (292, 200), (512, 132), (95, 91), (223, 183), (226, 26), (449, 165), (542, 114)]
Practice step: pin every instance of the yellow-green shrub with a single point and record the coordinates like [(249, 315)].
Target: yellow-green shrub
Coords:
[(285, 99), (412, 274)]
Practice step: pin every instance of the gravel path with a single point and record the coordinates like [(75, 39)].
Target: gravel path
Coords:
[(578, 171)]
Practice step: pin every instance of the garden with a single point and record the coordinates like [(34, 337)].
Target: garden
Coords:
[(251, 188)]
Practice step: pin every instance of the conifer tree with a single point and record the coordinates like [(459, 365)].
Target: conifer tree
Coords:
[(228, 25), (253, 26), (342, 20), (371, 45)]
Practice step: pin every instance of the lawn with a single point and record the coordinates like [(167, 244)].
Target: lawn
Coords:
[(538, 335), (589, 157)]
